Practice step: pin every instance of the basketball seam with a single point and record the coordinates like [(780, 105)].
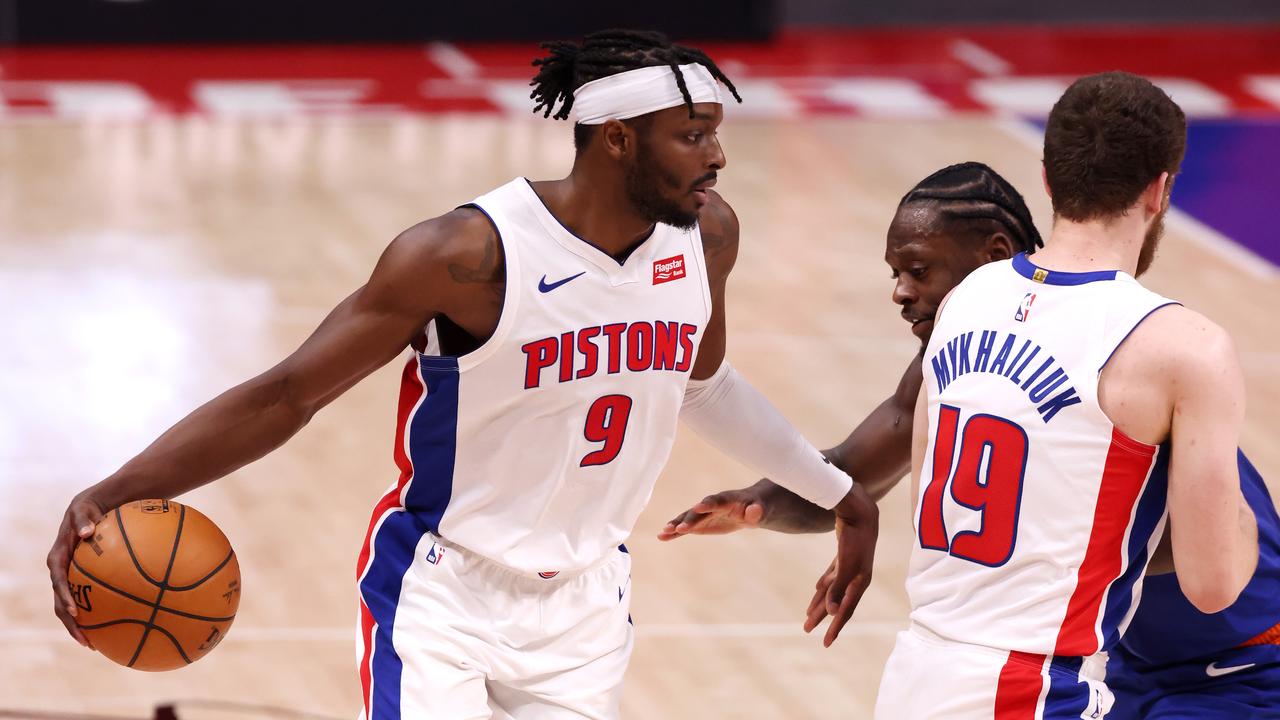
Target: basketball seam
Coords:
[(129, 547), (177, 645), (205, 618), (202, 580), (147, 603), (173, 555), (130, 621), (91, 576), (109, 623)]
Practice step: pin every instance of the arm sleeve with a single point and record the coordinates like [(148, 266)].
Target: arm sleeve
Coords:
[(727, 412)]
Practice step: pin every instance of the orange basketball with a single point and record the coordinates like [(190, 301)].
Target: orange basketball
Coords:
[(156, 586)]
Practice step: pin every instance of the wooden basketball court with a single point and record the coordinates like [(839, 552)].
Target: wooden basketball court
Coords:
[(146, 265)]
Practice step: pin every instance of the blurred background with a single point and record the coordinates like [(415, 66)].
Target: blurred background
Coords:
[(186, 189)]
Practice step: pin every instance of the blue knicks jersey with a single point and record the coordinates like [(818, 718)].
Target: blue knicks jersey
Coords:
[(1168, 629)]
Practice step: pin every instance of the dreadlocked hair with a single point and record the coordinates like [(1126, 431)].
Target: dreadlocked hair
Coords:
[(567, 66), (973, 193)]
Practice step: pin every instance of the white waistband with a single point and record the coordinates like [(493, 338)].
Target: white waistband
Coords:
[(545, 576)]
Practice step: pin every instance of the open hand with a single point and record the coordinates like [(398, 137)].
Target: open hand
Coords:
[(724, 512), (839, 589), (78, 523)]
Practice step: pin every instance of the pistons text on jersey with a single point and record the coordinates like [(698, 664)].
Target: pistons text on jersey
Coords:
[(644, 345)]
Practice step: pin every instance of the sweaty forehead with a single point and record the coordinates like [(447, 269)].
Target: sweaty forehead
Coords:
[(916, 228), (916, 220)]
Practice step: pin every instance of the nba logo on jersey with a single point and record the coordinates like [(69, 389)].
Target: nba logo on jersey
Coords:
[(435, 555), (1024, 309), (668, 269)]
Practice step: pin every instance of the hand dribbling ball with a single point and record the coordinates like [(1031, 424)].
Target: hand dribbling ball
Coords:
[(156, 586)]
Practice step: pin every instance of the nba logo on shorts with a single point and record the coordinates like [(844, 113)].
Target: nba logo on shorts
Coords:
[(436, 555), (1024, 309)]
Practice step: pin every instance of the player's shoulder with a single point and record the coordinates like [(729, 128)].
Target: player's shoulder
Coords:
[(717, 216), (463, 235), (718, 226), (1174, 321), (1187, 332), (1182, 339)]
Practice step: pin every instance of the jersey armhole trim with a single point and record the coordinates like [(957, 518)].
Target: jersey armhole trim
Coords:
[(1141, 320), (1122, 441), (700, 257), (510, 297)]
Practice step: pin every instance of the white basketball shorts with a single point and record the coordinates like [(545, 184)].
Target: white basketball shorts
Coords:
[(928, 677), (458, 637)]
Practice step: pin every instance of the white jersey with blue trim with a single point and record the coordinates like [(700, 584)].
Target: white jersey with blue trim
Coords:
[(539, 449), (1035, 515)]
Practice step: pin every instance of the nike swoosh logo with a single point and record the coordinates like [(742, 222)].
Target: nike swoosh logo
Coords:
[(1214, 671), (544, 286)]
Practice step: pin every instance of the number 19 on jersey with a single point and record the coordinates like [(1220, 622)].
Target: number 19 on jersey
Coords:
[(988, 477)]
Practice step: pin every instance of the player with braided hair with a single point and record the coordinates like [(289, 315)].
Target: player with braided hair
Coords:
[(554, 331), (1174, 662), (952, 222), (609, 52)]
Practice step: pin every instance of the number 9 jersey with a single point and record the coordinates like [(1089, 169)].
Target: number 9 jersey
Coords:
[(1036, 515), (539, 449)]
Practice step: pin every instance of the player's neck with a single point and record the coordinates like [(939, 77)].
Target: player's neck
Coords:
[(595, 209), (1112, 244)]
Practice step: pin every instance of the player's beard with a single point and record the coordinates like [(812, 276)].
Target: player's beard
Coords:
[(1149, 243), (644, 181)]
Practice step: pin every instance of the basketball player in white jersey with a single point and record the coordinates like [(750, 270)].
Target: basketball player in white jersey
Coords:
[(1066, 414), (1028, 561), (556, 330), (1173, 662)]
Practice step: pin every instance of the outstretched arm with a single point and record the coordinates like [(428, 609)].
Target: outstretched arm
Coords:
[(727, 412), (413, 282), (877, 454)]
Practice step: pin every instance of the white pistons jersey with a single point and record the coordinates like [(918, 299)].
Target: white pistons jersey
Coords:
[(539, 449), (1035, 516)]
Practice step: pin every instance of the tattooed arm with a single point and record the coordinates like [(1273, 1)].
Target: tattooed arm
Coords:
[(877, 454), (451, 266)]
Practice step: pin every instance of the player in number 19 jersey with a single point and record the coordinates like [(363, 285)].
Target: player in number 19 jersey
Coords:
[(1026, 478), (1024, 473), (1039, 494), (1173, 662)]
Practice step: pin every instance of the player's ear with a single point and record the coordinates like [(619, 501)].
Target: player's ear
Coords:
[(619, 139), (999, 247), (1156, 197)]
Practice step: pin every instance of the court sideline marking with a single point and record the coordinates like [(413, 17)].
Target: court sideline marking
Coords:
[(865, 629)]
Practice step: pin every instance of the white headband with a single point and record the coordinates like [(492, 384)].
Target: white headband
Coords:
[(639, 92)]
